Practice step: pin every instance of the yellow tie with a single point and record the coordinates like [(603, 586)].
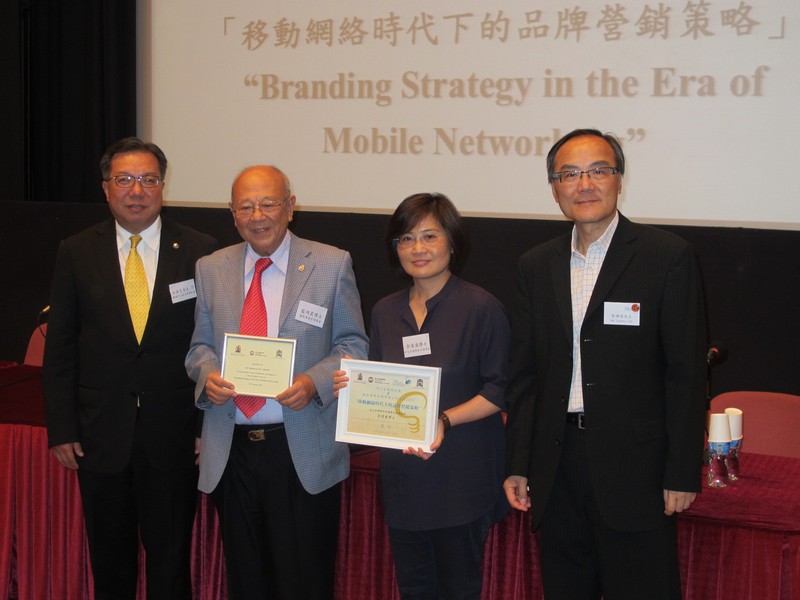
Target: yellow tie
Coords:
[(136, 288)]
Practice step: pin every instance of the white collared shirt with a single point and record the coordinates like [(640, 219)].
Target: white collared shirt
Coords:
[(583, 272), (147, 249)]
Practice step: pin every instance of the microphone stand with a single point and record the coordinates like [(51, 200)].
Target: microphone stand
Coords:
[(716, 354)]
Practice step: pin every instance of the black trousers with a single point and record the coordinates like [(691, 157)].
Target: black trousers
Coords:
[(140, 500), (280, 541), (440, 563), (583, 559)]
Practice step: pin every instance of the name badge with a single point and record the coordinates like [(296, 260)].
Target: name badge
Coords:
[(621, 313), (416, 345), (311, 314), (183, 290)]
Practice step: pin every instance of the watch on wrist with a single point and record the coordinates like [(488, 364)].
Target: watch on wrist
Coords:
[(445, 421)]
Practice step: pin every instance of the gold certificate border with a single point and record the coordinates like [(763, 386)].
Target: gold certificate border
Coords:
[(275, 355), (425, 426)]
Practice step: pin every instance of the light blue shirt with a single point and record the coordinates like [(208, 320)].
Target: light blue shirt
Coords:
[(273, 280)]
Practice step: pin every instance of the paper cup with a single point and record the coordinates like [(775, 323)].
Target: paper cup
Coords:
[(735, 421), (719, 428)]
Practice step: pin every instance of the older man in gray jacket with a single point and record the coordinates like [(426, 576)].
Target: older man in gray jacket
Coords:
[(273, 468)]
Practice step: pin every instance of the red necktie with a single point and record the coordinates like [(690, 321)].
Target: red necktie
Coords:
[(254, 322)]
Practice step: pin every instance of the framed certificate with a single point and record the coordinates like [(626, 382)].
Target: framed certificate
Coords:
[(389, 405), (258, 366)]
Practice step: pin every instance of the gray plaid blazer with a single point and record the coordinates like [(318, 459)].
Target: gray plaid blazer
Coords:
[(319, 274)]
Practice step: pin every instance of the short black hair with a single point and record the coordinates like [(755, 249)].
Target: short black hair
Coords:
[(610, 139), (415, 208), (131, 144)]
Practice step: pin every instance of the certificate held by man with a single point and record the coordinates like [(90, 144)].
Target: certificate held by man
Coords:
[(389, 405), (258, 366)]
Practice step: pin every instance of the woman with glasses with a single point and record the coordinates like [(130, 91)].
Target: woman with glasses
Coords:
[(439, 506)]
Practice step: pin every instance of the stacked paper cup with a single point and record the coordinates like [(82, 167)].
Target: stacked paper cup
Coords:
[(719, 442), (732, 460)]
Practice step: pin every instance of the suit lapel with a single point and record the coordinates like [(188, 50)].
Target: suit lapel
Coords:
[(559, 271), (170, 254), (299, 269), (231, 274), (620, 253), (107, 257)]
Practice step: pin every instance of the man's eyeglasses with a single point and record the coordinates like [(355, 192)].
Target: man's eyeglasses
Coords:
[(572, 177), (245, 211), (126, 181), (426, 238)]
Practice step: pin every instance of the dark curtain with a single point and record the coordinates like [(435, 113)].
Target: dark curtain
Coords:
[(11, 102), (79, 70)]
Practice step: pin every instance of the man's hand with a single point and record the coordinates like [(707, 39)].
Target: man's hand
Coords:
[(218, 390), (516, 488), (66, 453), (677, 501), (299, 394)]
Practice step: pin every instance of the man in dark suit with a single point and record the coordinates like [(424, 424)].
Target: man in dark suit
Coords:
[(607, 404), (120, 408)]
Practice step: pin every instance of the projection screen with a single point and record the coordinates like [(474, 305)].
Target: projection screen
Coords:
[(362, 103)]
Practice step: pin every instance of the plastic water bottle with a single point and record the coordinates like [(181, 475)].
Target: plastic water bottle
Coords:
[(732, 460), (717, 471)]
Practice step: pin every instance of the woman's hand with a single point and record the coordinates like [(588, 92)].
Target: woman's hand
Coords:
[(340, 379), (437, 443)]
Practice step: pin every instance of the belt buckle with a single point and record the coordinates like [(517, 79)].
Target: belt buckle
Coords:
[(581, 418), (256, 435)]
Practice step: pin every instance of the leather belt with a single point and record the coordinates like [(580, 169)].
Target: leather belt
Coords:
[(256, 433), (577, 419)]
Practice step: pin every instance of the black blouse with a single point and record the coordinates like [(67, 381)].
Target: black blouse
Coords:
[(469, 339)]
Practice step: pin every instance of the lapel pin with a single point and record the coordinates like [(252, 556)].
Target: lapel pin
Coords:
[(175, 246), (301, 268)]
